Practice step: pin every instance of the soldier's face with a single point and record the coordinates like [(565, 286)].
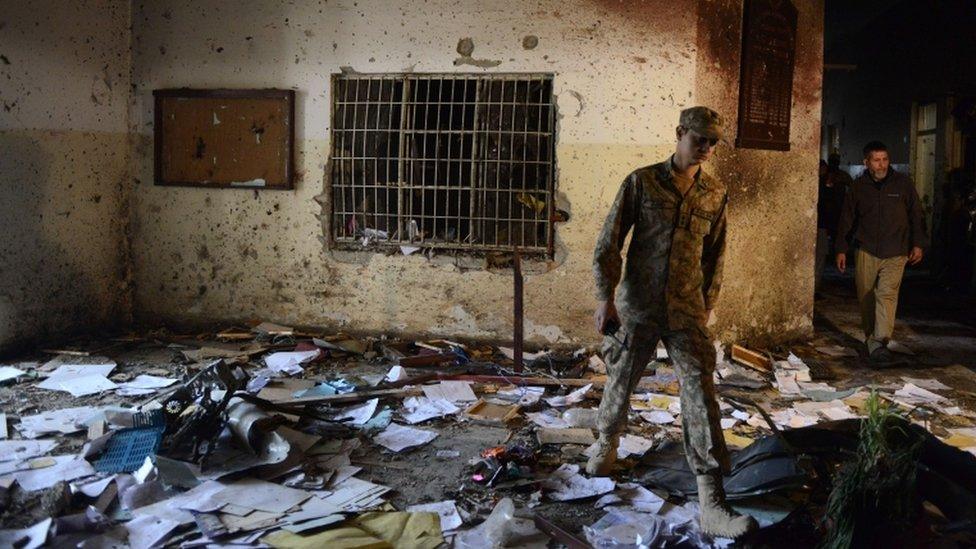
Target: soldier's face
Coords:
[(877, 163), (695, 147)]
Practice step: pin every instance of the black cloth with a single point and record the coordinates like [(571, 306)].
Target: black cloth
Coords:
[(830, 199), (883, 217)]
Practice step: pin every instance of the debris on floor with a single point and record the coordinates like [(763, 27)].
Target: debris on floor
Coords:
[(278, 437)]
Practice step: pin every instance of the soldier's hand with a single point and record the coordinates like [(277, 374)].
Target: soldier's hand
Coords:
[(605, 315), (842, 262), (915, 256)]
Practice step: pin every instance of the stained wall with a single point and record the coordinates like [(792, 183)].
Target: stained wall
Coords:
[(623, 71), (64, 89)]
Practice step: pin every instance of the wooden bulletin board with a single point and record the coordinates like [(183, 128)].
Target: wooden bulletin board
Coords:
[(766, 84), (225, 138)]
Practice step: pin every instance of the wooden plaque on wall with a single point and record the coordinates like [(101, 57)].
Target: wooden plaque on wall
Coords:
[(766, 83), (224, 138)]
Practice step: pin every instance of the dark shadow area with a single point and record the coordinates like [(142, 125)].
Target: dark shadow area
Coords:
[(904, 73)]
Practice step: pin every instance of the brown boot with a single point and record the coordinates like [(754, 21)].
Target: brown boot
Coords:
[(717, 518), (602, 461)]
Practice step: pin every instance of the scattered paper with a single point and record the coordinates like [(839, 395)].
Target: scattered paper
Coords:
[(446, 510), (9, 372), (549, 419), (64, 468), (143, 385), (31, 537), (3, 426), (632, 496), (786, 382), (17, 450), (929, 384), (418, 409), (354, 494), (358, 415), (80, 379), (148, 531), (289, 362), (917, 395), (64, 421), (253, 494), (453, 391), (567, 484), (728, 422), (574, 397), (633, 445), (740, 415), (523, 396), (396, 373), (398, 437), (657, 417)]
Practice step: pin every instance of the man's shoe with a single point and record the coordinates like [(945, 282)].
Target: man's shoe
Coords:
[(605, 457), (881, 356), (717, 518)]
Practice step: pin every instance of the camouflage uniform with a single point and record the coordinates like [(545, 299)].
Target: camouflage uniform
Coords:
[(674, 270)]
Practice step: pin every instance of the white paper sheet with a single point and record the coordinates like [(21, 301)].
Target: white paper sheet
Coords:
[(31, 537), (17, 450), (454, 391), (65, 468), (396, 373), (80, 379), (549, 419), (574, 397), (740, 415), (510, 354), (9, 372), (928, 384), (398, 437), (418, 409), (95, 489), (446, 510), (632, 496), (143, 385), (147, 531), (253, 494), (917, 395), (3, 426), (354, 494), (728, 422), (523, 396), (289, 362), (786, 382), (358, 415), (170, 509), (658, 417), (65, 421), (567, 484)]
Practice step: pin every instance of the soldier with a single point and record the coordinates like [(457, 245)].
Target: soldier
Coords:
[(676, 213)]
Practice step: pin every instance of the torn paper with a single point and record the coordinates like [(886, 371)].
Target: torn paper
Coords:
[(398, 437)]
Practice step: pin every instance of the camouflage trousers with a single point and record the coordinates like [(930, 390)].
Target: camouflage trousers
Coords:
[(693, 357)]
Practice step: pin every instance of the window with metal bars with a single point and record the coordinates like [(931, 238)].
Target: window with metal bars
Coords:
[(452, 161)]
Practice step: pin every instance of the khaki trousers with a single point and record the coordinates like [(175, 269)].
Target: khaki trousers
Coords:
[(694, 363), (878, 281)]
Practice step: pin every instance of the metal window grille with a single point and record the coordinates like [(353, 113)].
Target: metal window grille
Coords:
[(457, 161)]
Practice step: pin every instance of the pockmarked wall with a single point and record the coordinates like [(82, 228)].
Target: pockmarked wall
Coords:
[(64, 89), (623, 72)]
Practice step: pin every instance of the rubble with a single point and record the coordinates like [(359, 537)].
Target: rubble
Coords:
[(278, 437)]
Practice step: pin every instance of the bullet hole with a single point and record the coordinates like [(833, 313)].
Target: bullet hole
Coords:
[(162, 50), (220, 50), (465, 46), (201, 147), (530, 42), (4, 59)]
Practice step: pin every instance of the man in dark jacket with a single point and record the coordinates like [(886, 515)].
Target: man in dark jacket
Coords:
[(883, 216)]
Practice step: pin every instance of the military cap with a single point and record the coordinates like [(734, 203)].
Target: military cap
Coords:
[(703, 121)]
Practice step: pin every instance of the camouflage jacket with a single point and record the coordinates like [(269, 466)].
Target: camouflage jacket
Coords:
[(676, 252)]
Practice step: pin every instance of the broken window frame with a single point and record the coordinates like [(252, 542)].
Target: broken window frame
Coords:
[(400, 197)]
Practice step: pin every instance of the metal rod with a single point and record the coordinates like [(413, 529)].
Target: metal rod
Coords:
[(518, 335)]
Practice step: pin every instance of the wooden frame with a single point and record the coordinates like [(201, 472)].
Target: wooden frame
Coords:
[(251, 165), (766, 77)]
